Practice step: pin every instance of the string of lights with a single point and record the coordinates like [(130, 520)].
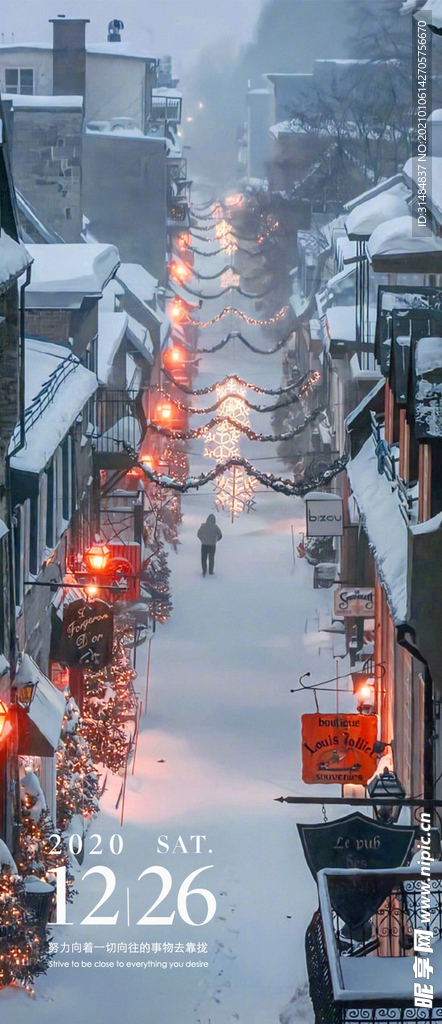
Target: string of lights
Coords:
[(238, 312), (253, 348), (230, 287), (217, 421), (269, 480), (310, 378), (289, 399), (239, 248)]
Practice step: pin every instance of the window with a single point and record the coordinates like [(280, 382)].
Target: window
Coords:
[(19, 81)]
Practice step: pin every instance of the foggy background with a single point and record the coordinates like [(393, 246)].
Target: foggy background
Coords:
[(217, 47)]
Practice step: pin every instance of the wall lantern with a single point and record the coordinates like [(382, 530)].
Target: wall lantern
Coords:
[(97, 557), (179, 272), (387, 785), (25, 682)]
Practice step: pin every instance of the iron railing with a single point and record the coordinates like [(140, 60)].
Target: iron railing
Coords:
[(370, 916), (121, 423), (46, 395)]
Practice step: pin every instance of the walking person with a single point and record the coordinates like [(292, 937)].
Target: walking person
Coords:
[(209, 534)]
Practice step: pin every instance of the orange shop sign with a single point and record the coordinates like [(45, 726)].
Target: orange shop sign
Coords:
[(337, 748)]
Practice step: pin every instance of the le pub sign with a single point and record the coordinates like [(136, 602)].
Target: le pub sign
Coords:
[(338, 748)]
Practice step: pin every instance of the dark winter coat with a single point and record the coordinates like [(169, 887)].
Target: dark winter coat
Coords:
[(209, 533)]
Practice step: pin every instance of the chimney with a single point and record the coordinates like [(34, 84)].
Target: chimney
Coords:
[(69, 56)]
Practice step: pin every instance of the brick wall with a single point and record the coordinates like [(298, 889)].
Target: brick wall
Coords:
[(50, 324), (46, 163)]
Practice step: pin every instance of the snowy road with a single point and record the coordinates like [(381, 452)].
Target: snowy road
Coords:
[(220, 740)]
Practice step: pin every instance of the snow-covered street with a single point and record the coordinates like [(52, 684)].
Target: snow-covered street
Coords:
[(220, 740)]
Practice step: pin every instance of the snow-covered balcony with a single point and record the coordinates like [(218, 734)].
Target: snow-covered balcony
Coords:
[(117, 439), (359, 945)]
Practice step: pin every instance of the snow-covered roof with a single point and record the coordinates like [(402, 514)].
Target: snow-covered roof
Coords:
[(111, 331), (14, 258), (137, 280), (57, 388), (434, 182), (140, 337), (382, 186), (427, 355), (165, 90), (341, 323), (47, 706), (364, 218), (397, 243), (364, 403), (115, 129), (384, 524), (63, 274), (44, 102), (344, 249), (118, 49), (432, 8)]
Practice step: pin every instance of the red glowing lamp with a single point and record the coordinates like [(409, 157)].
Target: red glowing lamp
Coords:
[(177, 311), (179, 271), (147, 460), (174, 357), (167, 414), (97, 558), (3, 716), (183, 241)]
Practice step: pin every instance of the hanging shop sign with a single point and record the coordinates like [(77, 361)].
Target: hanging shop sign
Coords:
[(338, 748), (88, 634), (324, 514), (356, 842), (357, 602)]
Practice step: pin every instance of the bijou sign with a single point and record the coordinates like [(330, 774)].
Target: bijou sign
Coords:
[(324, 514)]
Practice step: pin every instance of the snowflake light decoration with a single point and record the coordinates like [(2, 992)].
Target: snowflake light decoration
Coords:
[(234, 489)]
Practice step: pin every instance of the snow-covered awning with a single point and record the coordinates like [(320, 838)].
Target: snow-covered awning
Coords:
[(39, 727), (137, 280), (140, 337), (396, 248), (14, 259), (62, 275), (384, 525), (57, 388), (111, 331), (364, 218)]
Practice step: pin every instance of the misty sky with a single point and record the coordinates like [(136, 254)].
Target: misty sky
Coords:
[(182, 28)]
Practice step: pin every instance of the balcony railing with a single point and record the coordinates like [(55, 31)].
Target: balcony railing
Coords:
[(359, 946), (120, 424)]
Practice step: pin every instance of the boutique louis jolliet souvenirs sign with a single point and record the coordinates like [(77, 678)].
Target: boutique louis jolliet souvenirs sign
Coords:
[(338, 748)]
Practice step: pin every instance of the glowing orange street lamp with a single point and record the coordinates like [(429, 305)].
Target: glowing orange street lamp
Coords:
[(177, 311), (183, 241), (174, 356), (179, 272), (147, 460), (97, 558), (3, 716)]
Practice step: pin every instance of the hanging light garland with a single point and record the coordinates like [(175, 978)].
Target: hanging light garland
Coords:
[(228, 287), (306, 378), (274, 483), (289, 399), (248, 344), (223, 424), (238, 312)]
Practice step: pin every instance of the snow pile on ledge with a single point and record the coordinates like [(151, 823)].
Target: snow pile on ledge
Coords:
[(13, 258), (111, 330), (137, 280), (299, 1010), (70, 269), (384, 525)]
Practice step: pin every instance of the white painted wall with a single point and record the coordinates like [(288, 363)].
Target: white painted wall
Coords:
[(27, 57)]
